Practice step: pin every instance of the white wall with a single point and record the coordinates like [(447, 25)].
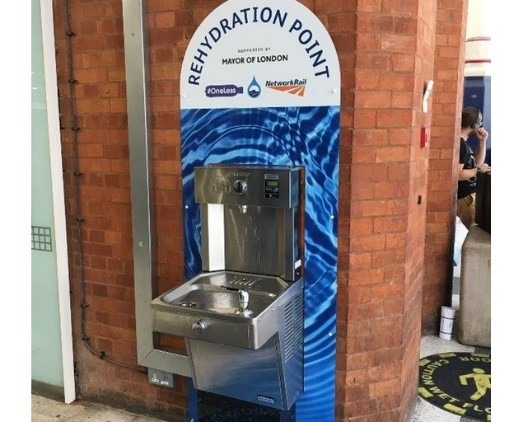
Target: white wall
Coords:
[(478, 39)]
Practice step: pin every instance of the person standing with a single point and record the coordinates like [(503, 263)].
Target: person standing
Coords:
[(470, 163)]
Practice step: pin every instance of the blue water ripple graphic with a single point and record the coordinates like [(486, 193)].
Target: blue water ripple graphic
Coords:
[(300, 136)]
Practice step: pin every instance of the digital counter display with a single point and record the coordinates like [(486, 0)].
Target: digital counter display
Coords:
[(271, 188)]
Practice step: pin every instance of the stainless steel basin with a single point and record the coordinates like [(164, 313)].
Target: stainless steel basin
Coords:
[(227, 307)]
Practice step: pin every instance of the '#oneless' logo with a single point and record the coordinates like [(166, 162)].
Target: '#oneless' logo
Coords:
[(229, 90), (290, 86)]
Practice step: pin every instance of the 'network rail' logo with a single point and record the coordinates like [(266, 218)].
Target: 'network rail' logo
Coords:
[(291, 86)]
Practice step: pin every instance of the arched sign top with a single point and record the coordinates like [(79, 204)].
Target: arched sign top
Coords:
[(251, 53)]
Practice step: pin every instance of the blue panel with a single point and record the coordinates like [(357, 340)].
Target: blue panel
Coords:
[(477, 93), (304, 136), (192, 395)]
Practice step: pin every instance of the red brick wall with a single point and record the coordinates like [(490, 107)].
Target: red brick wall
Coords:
[(385, 193), (99, 96), (386, 52), (445, 135)]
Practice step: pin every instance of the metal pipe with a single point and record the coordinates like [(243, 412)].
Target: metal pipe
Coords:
[(136, 64)]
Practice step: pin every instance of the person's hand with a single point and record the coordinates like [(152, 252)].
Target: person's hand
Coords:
[(484, 167), (482, 134)]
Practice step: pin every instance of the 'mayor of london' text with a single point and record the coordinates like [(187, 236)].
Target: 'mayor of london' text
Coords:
[(259, 15), (256, 59)]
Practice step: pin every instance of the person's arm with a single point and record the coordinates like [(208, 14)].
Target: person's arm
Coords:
[(466, 174), (480, 155)]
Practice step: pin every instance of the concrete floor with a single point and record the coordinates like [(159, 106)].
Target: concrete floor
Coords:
[(47, 410), (425, 412)]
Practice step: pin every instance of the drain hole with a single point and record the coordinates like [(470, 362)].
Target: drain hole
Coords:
[(188, 304)]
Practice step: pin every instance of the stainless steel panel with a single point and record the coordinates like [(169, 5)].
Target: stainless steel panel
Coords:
[(254, 240), (243, 325), (261, 240), (136, 59), (208, 307), (250, 375), (272, 375), (291, 352), (215, 330), (246, 185), (258, 231)]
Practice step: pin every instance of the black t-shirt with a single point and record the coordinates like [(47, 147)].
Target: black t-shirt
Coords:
[(467, 157)]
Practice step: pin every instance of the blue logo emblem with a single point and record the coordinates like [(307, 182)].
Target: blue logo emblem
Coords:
[(254, 88)]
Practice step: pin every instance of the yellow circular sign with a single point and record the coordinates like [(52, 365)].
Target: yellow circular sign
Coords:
[(459, 383)]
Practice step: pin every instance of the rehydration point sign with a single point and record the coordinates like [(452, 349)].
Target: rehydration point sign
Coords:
[(260, 54)]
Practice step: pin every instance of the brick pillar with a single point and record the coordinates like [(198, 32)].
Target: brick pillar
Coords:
[(386, 61), (445, 135)]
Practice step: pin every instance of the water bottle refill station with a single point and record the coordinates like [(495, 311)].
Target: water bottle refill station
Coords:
[(255, 309), (242, 317)]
